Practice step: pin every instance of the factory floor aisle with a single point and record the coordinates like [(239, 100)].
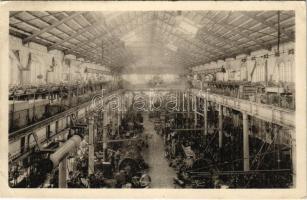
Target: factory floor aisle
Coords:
[(161, 174)]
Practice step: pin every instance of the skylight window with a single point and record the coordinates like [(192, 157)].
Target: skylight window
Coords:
[(130, 38), (188, 26)]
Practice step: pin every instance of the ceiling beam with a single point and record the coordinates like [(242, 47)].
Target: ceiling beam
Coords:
[(48, 28), (179, 39), (90, 50), (132, 28), (98, 36), (203, 51), (221, 38), (214, 46), (217, 50), (266, 23), (220, 50), (118, 50), (79, 32), (191, 42), (14, 13), (235, 30), (21, 34), (26, 23), (81, 44)]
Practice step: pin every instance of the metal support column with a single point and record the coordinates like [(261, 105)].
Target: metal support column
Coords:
[(195, 109), (220, 126), (119, 111), (104, 136), (91, 153), (205, 119), (188, 107), (63, 172), (245, 142), (293, 155), (122, 105), (118, 121), (188, 103)]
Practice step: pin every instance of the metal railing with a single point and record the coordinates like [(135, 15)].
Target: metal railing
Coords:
[(273, 114)]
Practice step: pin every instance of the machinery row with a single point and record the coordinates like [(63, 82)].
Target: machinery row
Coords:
[(225, 148), (32, 104), (282, 96), (210, 146), (81, 147)]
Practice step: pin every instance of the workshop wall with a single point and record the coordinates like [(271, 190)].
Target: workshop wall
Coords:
[(32, 64), (152, 80), (253, 69)]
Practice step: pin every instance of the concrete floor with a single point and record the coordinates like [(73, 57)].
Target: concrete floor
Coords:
[(161, 174)]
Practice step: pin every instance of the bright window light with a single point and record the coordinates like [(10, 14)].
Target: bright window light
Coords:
[(188, 26), (130, 38), (111, 15)]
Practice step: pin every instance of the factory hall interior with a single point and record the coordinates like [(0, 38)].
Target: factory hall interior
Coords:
[(152, 99)]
